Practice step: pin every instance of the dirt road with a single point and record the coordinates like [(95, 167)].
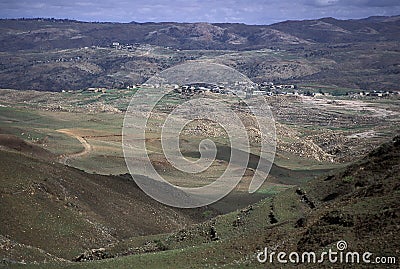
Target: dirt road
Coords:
[(87, 148)]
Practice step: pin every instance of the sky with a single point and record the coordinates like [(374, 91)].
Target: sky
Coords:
[(240, 11)]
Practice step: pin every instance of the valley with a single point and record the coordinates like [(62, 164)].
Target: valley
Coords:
[(69, 200), (83, 190)]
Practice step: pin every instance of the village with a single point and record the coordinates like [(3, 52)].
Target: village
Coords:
[(248, 90)]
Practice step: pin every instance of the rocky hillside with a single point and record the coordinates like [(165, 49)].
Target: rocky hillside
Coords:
[(56, 55), (46, 34), (51, 212), (358, 204)]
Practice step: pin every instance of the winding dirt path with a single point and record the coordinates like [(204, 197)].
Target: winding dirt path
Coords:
[(87, 148)]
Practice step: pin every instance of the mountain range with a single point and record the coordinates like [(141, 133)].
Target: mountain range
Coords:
[(45, 34), (56, 55)]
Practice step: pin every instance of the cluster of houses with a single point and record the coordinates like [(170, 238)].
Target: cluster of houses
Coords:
[(238, 88), (265, 88), (243, 89), (101, 90), (201, 88), (379, 93), (270, 86), (119, 46)]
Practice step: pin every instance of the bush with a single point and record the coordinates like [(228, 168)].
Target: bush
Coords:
[(348, 179)]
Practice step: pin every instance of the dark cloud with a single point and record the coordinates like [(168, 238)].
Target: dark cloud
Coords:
[(251, 12)]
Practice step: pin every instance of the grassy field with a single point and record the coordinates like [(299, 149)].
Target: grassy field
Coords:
[(302, 131)]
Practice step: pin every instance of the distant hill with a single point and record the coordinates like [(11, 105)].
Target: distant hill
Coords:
[(47, 34), (55, 55), (330, 30)]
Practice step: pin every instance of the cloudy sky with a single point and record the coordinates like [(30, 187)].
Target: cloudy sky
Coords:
[(244, 11)]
